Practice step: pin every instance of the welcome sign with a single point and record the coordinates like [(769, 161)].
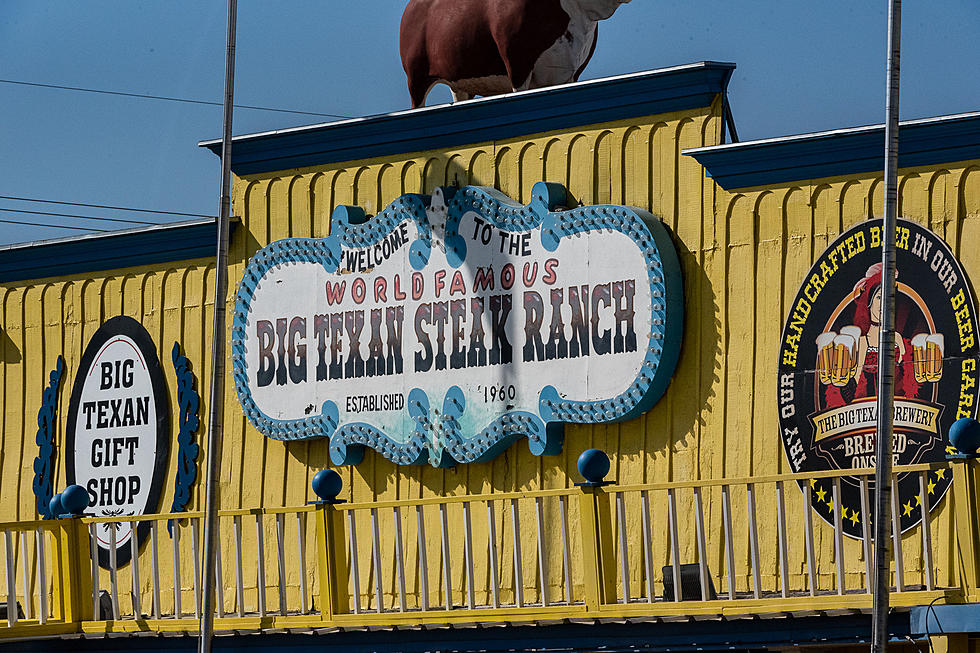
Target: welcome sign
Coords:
[(446, 327)]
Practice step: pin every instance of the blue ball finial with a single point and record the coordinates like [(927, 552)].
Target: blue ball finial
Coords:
[(54, 506), (964, 434), (593, 465), (74, 499), (327, 485)]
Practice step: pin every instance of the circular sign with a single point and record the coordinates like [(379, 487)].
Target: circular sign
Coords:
[(828, 366), (118, 431)]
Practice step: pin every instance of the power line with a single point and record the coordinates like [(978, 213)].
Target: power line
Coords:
[(102, 206), (164, 97), (55, 226), (80, 217)]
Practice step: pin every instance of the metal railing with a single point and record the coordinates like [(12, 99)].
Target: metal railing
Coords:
[(595, 551)]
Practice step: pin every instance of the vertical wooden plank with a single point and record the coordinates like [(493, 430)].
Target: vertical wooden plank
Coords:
[(624, 572), (423, 562), (94, 551), (260, 558), (838, 537), (726, 513), (518, 558), (492, 553), (808, 535), (783, 546), (702, 547), (926, 532), (8, 554), (866, 534), (565, 549), (239, 567), (25, 567), (897, 538), (399, 558), (175, 550), (647, 542), (301, 559), (134, 563), (219, 579), (376, 556), (113, 571), (281, 560), (196, 561), (542, 554), (468, 552), (446, 577), (753, 541), (42, 576), (674, 547), (155, 568), (354, 567)]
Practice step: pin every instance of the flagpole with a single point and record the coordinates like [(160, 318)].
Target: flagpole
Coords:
[(886, 341), (216, 402)]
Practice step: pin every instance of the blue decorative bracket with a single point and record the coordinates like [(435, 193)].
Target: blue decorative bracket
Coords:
[(188, 402), (46, 424)]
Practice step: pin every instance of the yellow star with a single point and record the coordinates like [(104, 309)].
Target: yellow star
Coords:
[(907, 509), (813, 482), (843, 513), (830, 504), (932, 487), (918, 501), (941, 473), (854, 517), (950, 450), (821, 493)]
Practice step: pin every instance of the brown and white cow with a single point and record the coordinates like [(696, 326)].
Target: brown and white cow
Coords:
[(487, 47)]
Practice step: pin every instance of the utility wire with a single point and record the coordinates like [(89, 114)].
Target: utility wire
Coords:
[(166, 98), (54, 226), (101, 206), (80, 217)]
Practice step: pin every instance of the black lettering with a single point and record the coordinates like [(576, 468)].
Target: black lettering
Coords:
[(265, 334), (534, 311)]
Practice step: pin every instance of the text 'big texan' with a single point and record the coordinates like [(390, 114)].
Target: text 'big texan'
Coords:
[(449, 325)]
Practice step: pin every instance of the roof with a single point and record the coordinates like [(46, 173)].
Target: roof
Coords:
[(480, 120), (175, 241), (856, 150)]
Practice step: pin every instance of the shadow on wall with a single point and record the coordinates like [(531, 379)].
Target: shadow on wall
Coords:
[(638, 448), (8, 350)]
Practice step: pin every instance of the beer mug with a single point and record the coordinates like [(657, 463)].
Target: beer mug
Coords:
[(927, 357), (844, 360), (855, 333), (825, 356)]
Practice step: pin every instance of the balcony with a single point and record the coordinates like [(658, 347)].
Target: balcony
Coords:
[(712, 549)]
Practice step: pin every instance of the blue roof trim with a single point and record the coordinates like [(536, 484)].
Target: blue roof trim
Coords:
[(480, 120), (928, 141), (178, 241)]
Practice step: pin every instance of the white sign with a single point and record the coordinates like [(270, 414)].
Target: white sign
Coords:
[(118, 429), (446, 327)]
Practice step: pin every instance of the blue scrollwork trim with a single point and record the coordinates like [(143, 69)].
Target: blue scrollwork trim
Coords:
[(188, 402), (46, 423)]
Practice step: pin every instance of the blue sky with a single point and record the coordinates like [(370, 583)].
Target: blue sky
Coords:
[(802, 66)]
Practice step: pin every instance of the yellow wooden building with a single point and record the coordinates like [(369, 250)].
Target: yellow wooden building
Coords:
[(420, 557)]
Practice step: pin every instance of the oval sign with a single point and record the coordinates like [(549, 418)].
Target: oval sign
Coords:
[(828, 367), (118, 431)]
